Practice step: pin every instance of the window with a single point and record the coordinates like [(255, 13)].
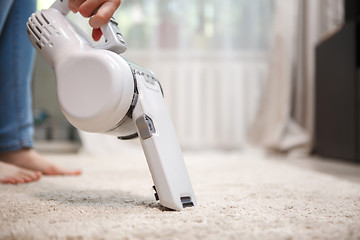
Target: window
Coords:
[(210, 57), (201, 24), (189, 24)]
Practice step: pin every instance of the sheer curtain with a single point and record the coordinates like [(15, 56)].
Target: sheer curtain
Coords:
[(210, 57), (284, 122)]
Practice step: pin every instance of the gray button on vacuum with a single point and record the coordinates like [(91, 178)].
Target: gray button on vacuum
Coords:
[(145, 126)]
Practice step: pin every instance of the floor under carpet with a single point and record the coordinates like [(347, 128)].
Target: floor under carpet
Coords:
[(239, 197)]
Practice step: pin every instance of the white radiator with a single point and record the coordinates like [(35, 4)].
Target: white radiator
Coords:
[(212, 96)]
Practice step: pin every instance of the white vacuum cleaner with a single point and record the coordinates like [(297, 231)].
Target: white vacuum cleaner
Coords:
[(101, 92)]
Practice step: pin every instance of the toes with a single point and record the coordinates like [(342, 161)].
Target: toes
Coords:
[(11, 174), (25, 176), (9, 181), (73, 172), (30, 176), (53, 170), (13, 180)]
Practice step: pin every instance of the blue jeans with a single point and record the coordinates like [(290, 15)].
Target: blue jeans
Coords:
[(16, 64)]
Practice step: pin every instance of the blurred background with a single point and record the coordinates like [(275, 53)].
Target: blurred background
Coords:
[(210, 58), (237, 74)]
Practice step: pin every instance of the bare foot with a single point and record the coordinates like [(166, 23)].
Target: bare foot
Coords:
[(14, 175), (31, 160)]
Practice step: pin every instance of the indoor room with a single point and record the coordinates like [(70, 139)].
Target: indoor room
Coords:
[(191, 119)]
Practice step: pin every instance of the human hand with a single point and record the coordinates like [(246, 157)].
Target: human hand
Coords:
[(105, 10)]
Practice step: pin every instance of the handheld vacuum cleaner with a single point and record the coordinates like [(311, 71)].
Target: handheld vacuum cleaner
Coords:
[(101, 92)]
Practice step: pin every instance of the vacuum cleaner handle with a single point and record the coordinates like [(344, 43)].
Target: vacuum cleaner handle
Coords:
[(62, 6), (114, 40)]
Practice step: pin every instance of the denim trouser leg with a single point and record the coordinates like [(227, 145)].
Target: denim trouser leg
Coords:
[(16, 63), (5, 6)]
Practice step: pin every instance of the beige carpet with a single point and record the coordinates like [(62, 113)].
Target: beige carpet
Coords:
[(239, 197)]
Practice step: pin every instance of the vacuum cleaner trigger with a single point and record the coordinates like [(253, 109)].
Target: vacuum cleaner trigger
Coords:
[(114, 40)]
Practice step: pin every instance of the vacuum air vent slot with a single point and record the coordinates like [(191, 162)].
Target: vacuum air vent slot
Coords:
[(38, 44), (33, 31), (38, 29), (38, 20), (47, 21)]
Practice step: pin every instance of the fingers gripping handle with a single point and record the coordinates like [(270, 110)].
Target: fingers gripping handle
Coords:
[(114, 40)]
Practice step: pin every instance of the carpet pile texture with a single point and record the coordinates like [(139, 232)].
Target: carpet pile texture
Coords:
[(239, 197)]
